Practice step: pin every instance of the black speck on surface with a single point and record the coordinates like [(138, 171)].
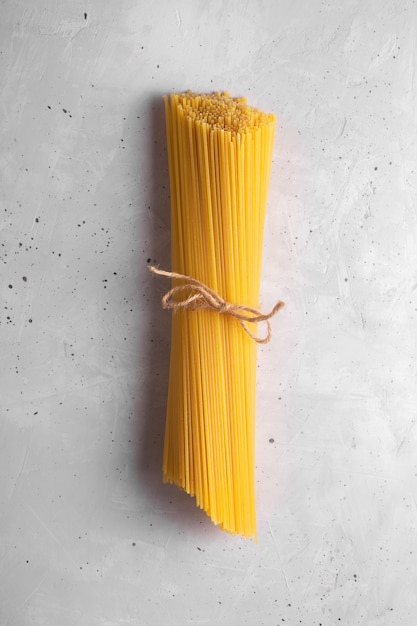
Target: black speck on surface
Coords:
[(10, 286), (85, 16), (271, 440), (24, 278)]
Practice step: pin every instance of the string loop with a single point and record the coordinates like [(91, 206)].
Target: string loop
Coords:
[(202, 297)]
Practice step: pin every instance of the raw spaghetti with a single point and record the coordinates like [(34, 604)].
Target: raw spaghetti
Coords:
[(220, 153)]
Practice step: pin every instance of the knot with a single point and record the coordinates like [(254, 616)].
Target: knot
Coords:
[(202, 297)]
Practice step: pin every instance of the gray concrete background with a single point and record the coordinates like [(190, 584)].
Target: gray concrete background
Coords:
[(88, 534)]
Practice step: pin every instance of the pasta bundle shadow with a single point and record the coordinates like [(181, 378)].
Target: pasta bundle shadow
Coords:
[(154, 348)]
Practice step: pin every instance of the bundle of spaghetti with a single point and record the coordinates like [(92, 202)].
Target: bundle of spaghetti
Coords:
[(220, 154)]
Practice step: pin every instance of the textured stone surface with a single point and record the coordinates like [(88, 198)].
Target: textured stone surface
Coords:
[(88, 534)]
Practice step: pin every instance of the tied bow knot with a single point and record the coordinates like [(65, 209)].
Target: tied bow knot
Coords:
[(202, 297)]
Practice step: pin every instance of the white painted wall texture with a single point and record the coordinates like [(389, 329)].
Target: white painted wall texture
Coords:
[(88, 533)]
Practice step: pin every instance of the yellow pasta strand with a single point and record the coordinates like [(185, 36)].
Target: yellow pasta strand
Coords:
[(220, 153)]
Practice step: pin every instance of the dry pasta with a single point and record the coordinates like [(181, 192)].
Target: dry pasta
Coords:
[(220, 153)]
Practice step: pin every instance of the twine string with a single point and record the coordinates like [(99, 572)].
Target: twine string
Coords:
[(202, 297)]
